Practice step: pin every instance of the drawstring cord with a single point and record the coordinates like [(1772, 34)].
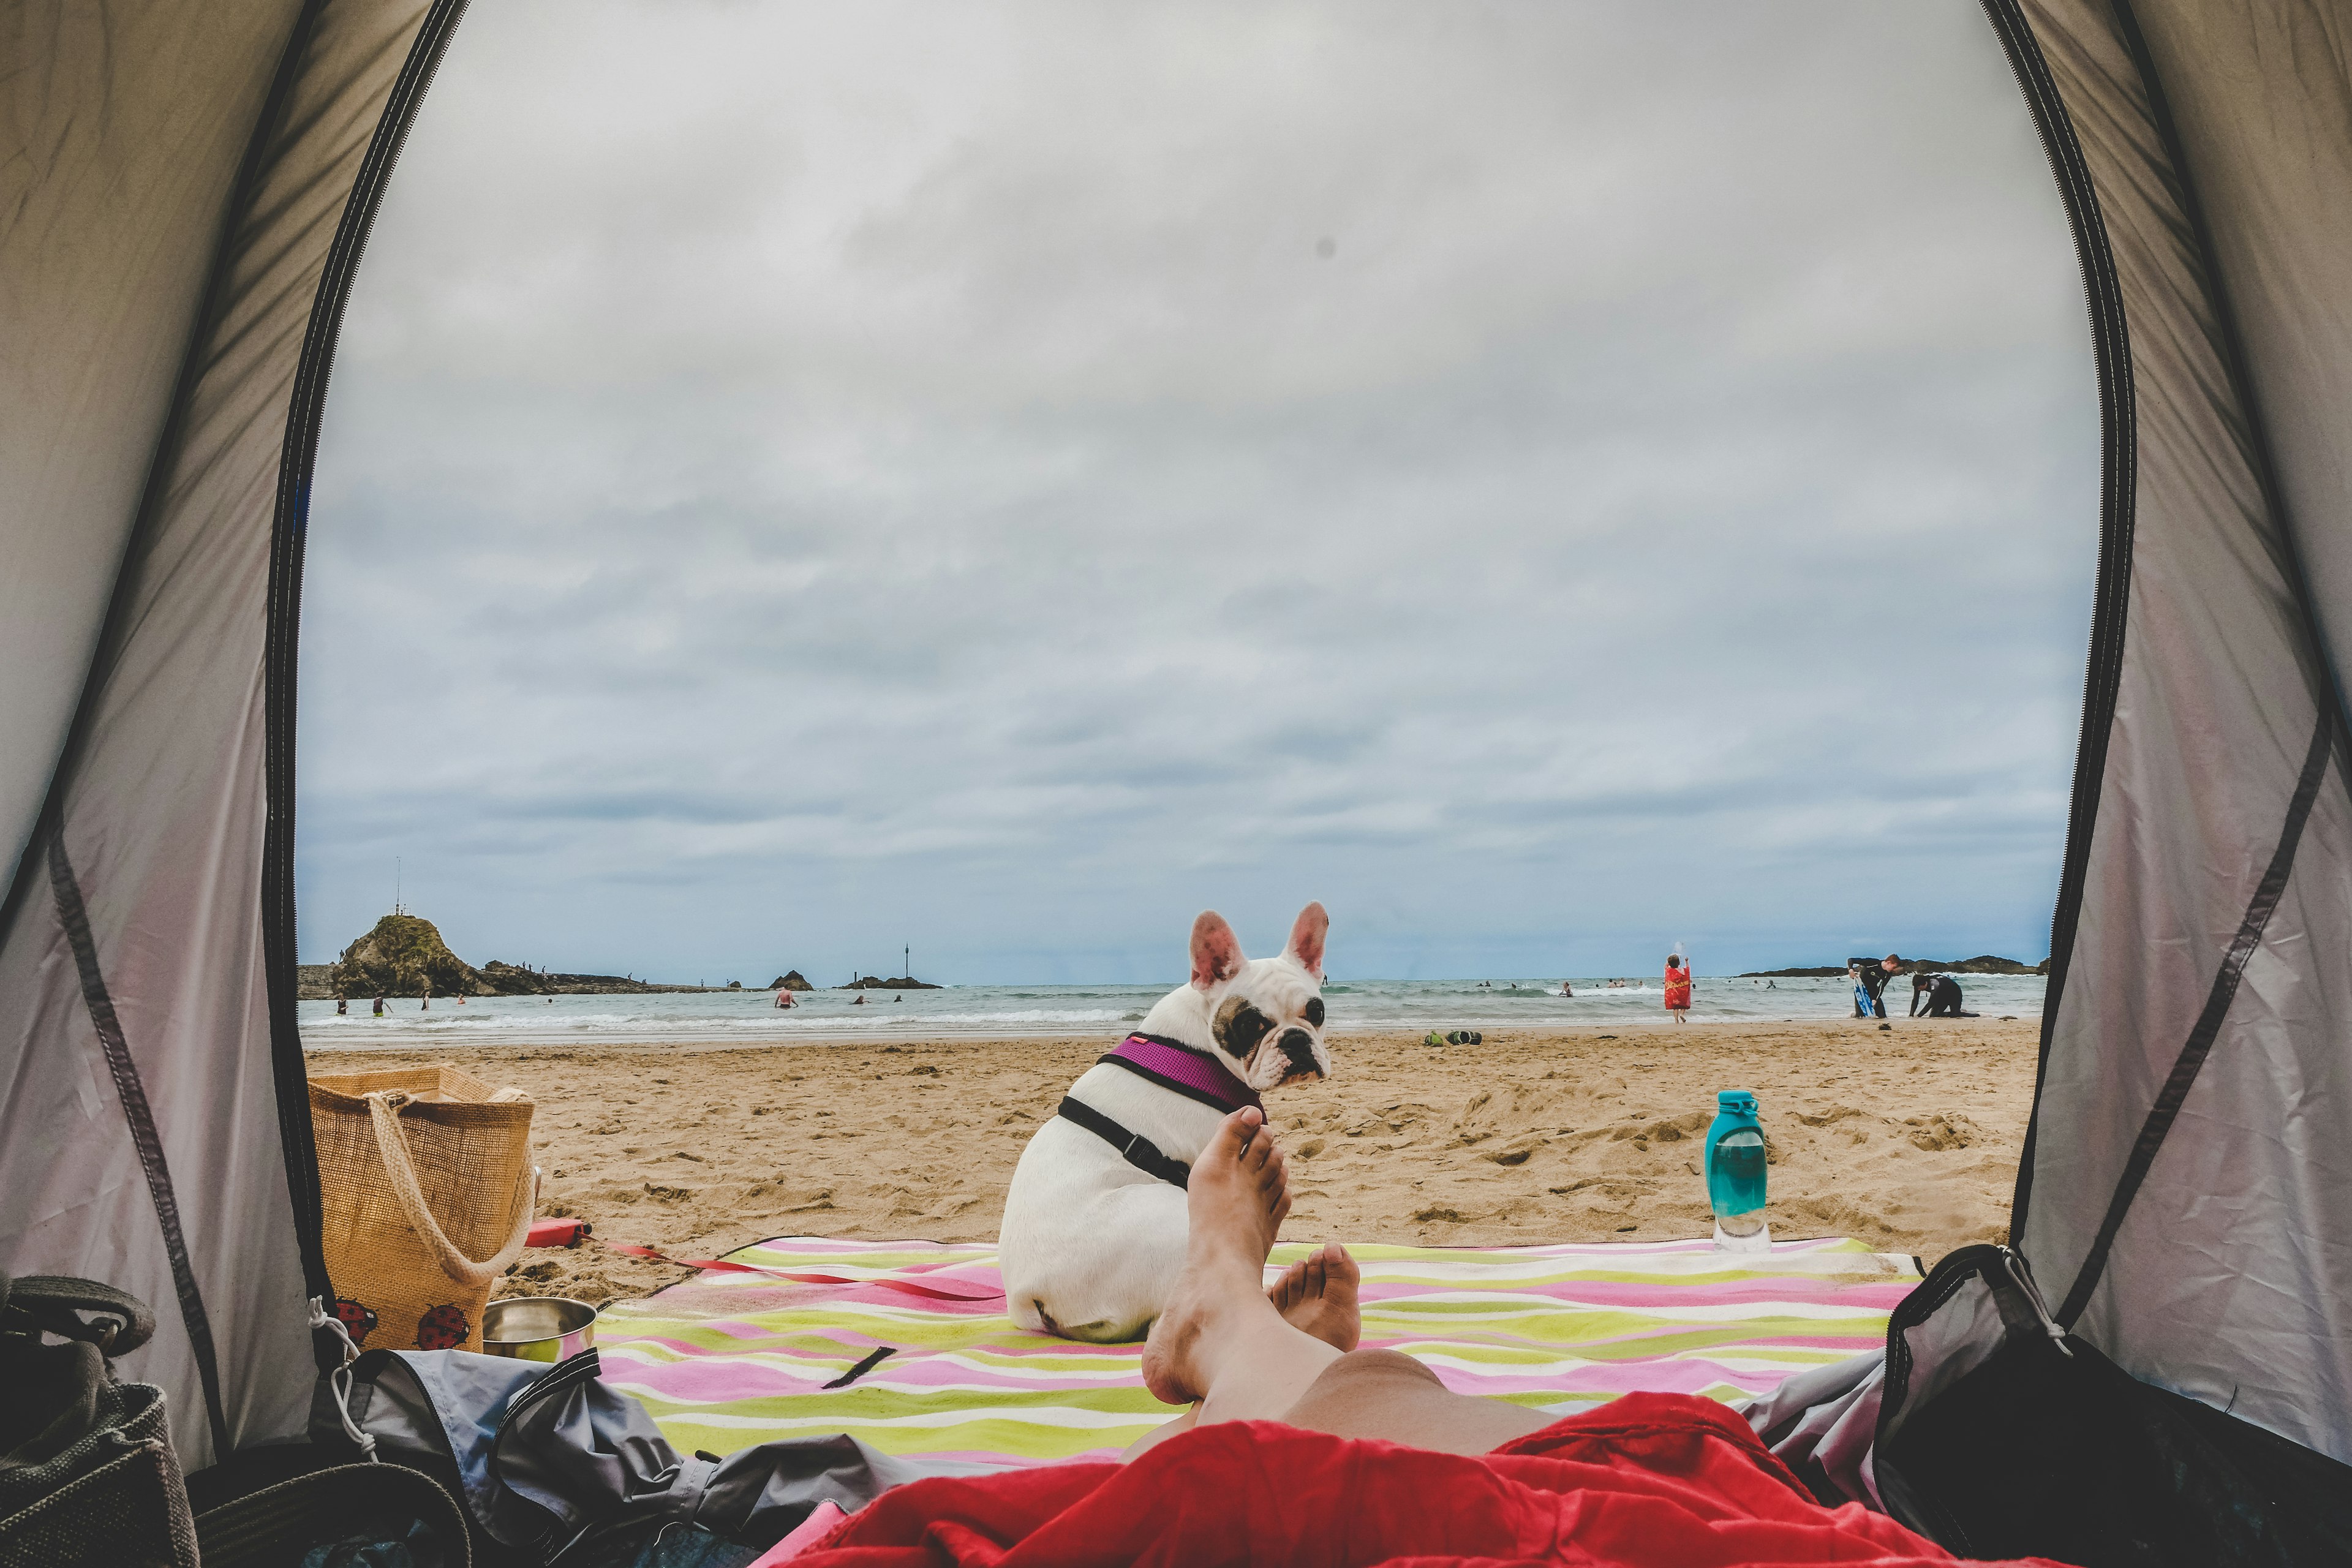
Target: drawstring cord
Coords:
[(2015, 1266), (339, 1380)]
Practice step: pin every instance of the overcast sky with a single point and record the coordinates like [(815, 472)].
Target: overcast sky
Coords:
[(1549, 480)]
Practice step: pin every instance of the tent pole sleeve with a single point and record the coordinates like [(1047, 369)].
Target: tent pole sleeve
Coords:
[(290, 527), (2119, 465)]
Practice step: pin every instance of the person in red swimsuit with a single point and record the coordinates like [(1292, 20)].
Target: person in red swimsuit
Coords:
[(1678, 983)]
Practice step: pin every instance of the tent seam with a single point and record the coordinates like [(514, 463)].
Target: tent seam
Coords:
[(131, 1094), (2208, 1028)]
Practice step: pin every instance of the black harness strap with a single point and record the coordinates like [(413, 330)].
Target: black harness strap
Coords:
[(1133, 1147)]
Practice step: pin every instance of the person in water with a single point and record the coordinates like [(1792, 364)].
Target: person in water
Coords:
[(379, 1006), (1679, 987), (1566, 989), (784, 998), (341, 1006)]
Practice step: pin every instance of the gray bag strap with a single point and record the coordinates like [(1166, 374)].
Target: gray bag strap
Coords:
[(51, 1304)]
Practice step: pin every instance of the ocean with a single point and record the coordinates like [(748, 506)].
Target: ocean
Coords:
[(751, 1017)]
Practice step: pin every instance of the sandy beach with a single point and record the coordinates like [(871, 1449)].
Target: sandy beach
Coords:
[(1906, 1138)]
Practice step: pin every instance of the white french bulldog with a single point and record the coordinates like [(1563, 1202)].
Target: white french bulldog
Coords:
[(1094, 1223)]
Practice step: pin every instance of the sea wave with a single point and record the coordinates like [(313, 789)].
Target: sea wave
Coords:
[(748, 1016)]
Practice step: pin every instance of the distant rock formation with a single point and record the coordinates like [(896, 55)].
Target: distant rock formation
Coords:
[(904, 982), (1983, 963), (514, 980), (790, 980), (402, 956), (611, 986)]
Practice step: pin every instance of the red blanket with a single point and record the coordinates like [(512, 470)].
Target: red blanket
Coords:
[(1659, 1480)]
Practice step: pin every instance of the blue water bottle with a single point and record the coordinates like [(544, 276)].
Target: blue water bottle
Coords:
[(1735, 1173)]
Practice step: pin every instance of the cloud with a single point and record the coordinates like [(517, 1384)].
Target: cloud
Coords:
[(1546, 480)]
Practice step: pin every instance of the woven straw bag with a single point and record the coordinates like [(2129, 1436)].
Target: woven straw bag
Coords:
[(428, 1191)]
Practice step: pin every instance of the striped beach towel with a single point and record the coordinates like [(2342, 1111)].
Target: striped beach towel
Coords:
[(906, 1344)]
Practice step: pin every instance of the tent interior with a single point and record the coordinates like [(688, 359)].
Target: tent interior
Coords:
[(189, 193)]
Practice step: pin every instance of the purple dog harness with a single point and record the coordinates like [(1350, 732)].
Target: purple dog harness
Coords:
[(1172, 1065)]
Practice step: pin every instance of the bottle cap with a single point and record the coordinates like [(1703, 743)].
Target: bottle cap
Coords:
[(1736, 1100)]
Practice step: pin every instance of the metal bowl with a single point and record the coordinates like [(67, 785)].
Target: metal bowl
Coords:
[(538, 1328)]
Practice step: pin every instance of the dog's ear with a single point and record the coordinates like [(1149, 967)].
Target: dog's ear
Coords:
[(1307, 939), (1216, 951)]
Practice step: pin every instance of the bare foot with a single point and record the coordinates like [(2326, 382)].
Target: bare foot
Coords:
[(1318, 1297), (1239, 1193)]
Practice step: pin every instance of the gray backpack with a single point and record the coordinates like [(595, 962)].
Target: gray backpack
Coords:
[(87, 1471)]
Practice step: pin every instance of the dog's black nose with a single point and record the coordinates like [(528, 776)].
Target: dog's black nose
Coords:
[(1299, 1048)]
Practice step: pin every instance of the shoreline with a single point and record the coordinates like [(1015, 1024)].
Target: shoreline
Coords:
[(1906, 1138), (582, 1039)]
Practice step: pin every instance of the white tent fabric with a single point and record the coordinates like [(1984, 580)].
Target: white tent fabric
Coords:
[(183, 216), (184, 190), (2186, 1195)]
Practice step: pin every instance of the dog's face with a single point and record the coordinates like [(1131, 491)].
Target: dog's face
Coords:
[(1266, 1014)]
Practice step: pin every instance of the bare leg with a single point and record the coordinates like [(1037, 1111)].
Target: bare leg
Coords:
[(1224, 1345), (1220, 1341), (1388, 1395)]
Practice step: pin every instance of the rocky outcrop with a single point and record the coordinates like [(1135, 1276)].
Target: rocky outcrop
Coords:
[(1983, 963), (790, 980), (402, 956), (504, 979), (904, 982), (610, 985)]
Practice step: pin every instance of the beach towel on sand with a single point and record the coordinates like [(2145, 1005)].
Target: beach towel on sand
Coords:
[(1659, 1480), (905, 1345)]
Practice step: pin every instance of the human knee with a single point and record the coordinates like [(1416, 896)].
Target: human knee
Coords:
[(1359, 1376)]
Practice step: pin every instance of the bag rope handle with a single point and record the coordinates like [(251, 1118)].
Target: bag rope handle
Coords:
[(383, 1110)]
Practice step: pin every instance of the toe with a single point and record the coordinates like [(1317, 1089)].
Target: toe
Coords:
[(1287, 1291), (1234, 1135), (1340, 1266)]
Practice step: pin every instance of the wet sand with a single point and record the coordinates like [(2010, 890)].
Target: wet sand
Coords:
[(1906, 1138)]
